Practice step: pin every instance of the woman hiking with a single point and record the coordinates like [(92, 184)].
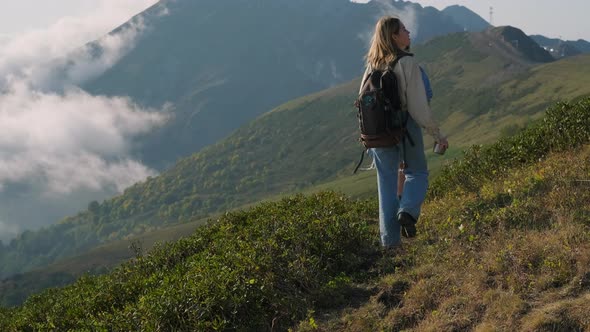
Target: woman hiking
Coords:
[(399, 217)]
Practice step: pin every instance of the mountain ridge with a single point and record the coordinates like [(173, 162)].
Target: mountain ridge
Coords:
[(314, 47), (560, 48), (466, 18), (523, 43)]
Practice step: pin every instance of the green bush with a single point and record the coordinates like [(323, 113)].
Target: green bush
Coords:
[(251, 270), (565, 126)]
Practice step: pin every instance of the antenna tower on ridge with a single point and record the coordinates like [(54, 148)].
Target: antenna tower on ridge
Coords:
[(491, 15)]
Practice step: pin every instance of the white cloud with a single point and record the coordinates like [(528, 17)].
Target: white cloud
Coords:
[(56, 138), (64, 138), (40, 55), (44, 117), (388, 8), (83, 63), (407, 14)]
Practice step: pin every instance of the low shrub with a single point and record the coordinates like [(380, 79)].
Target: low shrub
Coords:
[(259, 269), (565, 126)]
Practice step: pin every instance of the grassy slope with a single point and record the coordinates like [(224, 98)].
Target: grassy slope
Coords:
[(14, 290), (513, 255), (549, 80), (510, 251)]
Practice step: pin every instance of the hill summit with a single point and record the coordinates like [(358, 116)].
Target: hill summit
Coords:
[(521, 43), (466, 18)]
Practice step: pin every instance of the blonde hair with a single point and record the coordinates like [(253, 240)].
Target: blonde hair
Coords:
[(383, 49)]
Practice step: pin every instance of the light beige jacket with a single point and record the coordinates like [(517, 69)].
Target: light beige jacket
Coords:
[(413, 95)]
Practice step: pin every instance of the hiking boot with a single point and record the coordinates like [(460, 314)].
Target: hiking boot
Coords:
[(408, 224)]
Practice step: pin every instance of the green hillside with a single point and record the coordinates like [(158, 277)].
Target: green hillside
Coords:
[(16, 289), (506, 249), (311, 141)]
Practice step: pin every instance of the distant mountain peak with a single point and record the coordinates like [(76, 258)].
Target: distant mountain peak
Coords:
[(521, 43), (559, 48), (466, 18)]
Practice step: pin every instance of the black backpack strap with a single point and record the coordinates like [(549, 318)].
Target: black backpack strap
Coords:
[(360, 162), (406, 134)]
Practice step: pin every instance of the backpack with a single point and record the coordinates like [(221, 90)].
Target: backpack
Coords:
[(380, 117)]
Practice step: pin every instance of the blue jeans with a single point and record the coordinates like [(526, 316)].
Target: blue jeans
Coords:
[(387, 162)]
